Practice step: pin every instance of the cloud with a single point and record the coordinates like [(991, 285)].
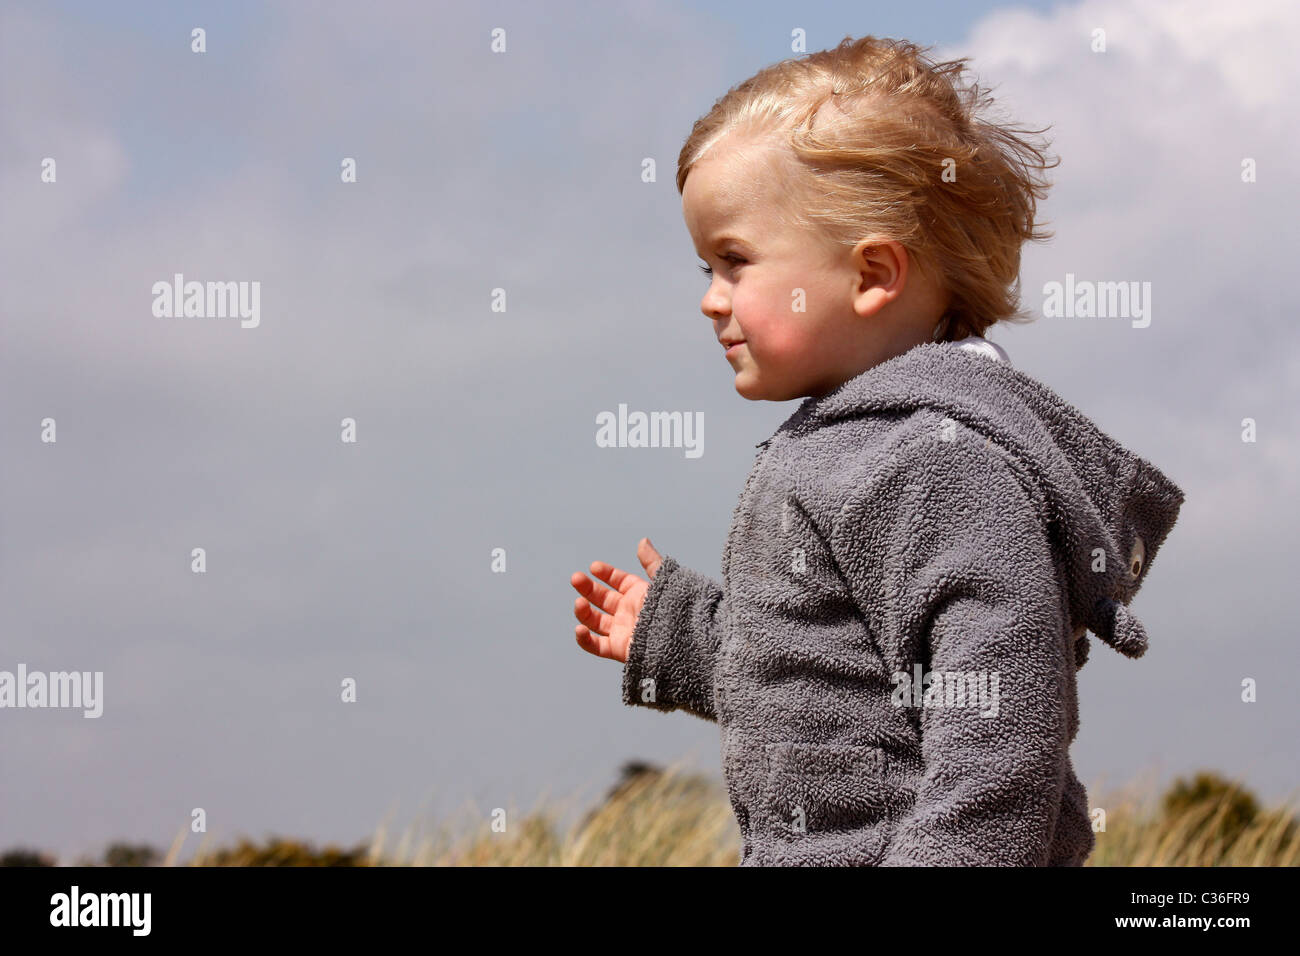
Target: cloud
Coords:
[(1152, 134)]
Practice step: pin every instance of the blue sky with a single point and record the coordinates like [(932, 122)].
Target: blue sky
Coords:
[(521, 171)]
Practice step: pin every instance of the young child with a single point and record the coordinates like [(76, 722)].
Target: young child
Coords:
[(921, 547)]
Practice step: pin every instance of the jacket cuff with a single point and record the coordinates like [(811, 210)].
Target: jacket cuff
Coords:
[(643, 659), (670, 647)]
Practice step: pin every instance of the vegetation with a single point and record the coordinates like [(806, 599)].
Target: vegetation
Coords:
[(669, 817)]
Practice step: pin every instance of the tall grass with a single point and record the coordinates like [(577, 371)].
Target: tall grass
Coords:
[(1208, 821), (675, 817)]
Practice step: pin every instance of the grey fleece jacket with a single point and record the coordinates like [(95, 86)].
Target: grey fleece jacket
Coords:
[(907, 584)]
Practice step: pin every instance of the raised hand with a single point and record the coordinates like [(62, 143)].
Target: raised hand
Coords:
[(609, 634)]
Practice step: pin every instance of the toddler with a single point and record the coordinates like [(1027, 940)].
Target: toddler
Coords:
[(920, 549)]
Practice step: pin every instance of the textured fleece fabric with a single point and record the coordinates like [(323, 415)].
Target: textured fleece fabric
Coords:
[(908, 581)]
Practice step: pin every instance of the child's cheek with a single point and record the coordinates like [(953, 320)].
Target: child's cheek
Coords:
[(774, 333)]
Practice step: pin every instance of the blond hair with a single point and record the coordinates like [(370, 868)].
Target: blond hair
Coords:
[(879, 168)]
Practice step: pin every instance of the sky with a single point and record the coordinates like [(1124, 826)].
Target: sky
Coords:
[(522, 171)]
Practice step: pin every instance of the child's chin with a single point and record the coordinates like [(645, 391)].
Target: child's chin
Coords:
[(748, 387)]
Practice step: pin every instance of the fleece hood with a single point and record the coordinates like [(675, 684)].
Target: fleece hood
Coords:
[(1106, 510)]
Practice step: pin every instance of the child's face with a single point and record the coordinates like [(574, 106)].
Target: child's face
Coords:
[(729, 201)]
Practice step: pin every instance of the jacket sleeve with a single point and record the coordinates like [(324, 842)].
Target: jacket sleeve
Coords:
[(951, 550), (672, 658)]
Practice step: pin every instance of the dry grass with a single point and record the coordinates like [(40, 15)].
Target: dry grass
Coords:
[(1205, 822), (651, 818), (674, 817)]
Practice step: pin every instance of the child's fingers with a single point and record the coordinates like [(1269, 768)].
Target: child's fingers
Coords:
[(616, 578), (588, 615), (602, 597), (591, 643), (649, 557), (586, 641)]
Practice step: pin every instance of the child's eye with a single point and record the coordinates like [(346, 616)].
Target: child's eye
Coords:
[(734, 260)]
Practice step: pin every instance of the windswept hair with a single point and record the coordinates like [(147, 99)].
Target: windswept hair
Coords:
[(874, 162)]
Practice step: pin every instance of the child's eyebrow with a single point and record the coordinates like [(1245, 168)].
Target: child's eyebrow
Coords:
[(722, 236)]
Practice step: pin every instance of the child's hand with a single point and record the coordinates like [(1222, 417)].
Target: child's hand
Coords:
[(610, 634)]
